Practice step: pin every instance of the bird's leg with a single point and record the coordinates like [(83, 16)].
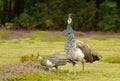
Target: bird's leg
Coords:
[(57, 69), (83, 66), (74, 69)]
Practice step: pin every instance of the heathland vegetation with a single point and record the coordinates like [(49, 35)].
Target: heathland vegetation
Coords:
[(18, 51)]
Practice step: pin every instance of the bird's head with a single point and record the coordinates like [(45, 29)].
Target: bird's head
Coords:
[(98, 56), (69, 15), (39, 57), (69, 19)]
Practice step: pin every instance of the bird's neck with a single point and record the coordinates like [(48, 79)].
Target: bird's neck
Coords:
[(70, 44)]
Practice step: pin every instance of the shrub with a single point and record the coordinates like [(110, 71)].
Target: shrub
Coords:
[(32, 58), (18, 68), (108, 18), (50, 16), (28, 58), (26, 21)]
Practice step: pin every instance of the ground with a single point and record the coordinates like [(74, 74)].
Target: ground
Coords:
[(15, 44)]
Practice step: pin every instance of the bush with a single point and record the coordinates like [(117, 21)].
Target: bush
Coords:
[(50, 16), (47, 15), (28, 58), (26, 21), (109, 19)]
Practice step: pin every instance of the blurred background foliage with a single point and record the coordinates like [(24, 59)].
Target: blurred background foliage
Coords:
[(88, 15)]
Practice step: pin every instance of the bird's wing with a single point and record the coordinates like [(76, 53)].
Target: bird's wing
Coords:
[(58, 56), (59, 59), (86, 50), (90, 54)]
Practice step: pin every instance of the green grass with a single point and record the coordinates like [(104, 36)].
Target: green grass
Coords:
[(94, 72), (95, 37), (113, 59), (54, 39), (43, 76), (2, 32), (108, 69)]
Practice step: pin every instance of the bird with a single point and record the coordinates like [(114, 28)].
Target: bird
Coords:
[(79, 50), (55, 60)]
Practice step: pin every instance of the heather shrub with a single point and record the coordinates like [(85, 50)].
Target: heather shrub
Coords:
[(18, 68)]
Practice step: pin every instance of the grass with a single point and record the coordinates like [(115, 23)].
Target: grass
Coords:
[(45, 43), (2, 33), (54, 38), (112, 59)]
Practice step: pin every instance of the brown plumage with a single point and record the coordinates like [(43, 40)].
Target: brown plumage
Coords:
[(90, 54)]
